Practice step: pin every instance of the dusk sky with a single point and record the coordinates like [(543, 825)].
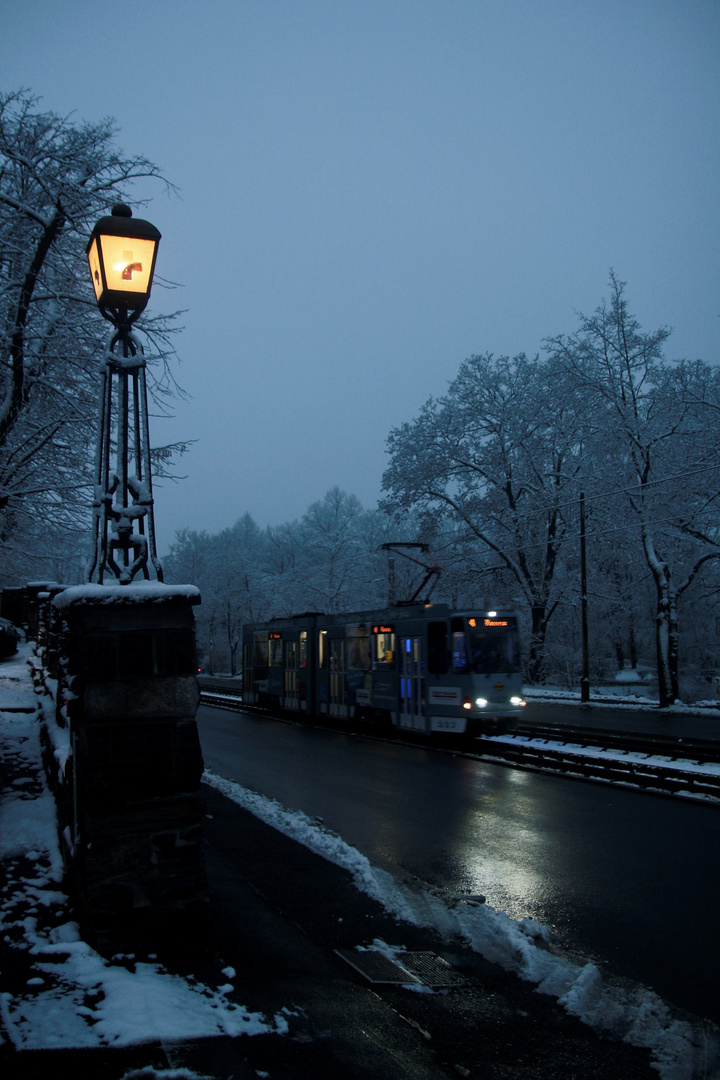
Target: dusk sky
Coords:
[(370, 192)]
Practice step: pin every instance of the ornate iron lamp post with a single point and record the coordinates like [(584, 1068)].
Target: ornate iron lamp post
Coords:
[(122, 252)]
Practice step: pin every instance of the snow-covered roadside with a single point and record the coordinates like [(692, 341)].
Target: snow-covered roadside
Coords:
[(680, 1049), (72, 997), (609, 698)]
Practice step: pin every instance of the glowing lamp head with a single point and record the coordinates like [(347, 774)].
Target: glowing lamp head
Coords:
[(121, 253)]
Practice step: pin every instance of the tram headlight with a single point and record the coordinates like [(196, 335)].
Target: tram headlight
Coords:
[(518, 702), (481, 702)]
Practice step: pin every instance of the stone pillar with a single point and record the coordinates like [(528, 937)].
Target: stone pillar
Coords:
[(131, 826)]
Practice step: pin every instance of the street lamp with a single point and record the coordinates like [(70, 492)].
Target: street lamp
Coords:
[(121, 252)]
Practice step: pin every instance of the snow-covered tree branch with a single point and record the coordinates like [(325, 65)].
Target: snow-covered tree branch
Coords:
[(57, 176)]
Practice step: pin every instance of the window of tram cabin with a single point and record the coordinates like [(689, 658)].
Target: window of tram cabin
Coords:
[(485, 644), (383, 647), (493, 645), (303, 648), (459, 644), (322, 649)]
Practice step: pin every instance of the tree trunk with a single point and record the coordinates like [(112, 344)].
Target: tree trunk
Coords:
[(536, 655), (19, 391), (666, 638), (666, 624), (674, 647)]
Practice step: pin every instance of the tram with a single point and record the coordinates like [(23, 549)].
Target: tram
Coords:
[(422, 668)]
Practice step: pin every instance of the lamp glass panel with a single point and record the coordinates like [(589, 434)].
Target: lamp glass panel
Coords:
[(95, 271), (127, 262)]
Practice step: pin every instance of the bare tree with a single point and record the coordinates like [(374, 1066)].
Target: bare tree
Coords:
[(500, 454), (657, 448)]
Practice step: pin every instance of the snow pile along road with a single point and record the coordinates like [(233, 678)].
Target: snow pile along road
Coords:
[(681, 1050)]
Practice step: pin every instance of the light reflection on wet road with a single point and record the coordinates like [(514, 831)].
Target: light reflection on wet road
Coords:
[(625, 877)]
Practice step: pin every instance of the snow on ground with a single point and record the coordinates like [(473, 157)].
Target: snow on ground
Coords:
[(608, 697), (73, 997), (634, 1014)]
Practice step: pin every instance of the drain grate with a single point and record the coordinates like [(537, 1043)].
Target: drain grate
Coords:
[(431, 969), (411, 968)]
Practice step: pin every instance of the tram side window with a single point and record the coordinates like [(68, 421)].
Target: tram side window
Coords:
[(437, 648), (276, 652), (383, 650), (359, 648), (322, 649)]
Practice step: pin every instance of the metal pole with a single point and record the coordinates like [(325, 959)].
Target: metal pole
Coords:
[(585, 679), (123, 503), (147, 476)]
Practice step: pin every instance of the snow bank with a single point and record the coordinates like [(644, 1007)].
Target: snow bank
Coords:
[(680, 1050), (298, 826)]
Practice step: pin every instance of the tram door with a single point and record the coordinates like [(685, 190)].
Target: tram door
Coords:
[(336, 696), (412, 706)]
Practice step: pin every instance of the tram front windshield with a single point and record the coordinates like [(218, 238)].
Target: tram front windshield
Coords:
[(485, 644)]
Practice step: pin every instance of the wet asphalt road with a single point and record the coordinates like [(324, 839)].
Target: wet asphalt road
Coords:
[(626, 878)]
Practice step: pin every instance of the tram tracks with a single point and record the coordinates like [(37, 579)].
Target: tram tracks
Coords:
[(672, 746), (634, 764), (685, 768)]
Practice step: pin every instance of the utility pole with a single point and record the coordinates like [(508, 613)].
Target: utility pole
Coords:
[(585, 677)]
